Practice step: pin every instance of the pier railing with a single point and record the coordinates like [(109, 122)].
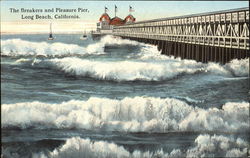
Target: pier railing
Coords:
[(228, 29)]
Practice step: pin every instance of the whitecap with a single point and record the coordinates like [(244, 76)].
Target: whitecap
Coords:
[(205, 146), (138, 114), (18, 47)]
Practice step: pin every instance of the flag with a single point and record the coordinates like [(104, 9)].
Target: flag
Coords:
[(106, 9), (115, 8), (131, 9)]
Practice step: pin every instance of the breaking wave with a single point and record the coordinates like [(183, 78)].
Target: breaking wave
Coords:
[(109, 40), (133, 70), (125, 70), (236, 67), (205, 146), (138, 114), (151, 52), (18, 47), (239, 67)]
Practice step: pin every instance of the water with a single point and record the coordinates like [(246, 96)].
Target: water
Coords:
[(118, 98)]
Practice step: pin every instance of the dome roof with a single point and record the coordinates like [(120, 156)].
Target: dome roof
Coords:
[(129, 18), (105, 17), (116, 21)]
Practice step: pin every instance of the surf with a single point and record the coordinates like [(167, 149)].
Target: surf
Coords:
[(204, 145), (137, 114)]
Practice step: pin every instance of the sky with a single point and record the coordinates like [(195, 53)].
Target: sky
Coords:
[(143, 10)]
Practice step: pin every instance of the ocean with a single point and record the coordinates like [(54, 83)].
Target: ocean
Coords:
[(118, 98)]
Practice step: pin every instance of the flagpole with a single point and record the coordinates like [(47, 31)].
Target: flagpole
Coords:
[(115, 10)]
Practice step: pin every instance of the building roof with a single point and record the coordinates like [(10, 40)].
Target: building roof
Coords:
[(116, 21), (105, 16), (131, 17)]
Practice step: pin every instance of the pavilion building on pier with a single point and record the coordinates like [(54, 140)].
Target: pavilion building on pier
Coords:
[(105, 24)]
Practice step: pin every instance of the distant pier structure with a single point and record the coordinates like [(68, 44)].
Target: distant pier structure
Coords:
[(106, 24), (215, 36)]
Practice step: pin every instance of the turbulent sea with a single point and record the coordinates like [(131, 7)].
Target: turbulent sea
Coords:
[(117, 98)]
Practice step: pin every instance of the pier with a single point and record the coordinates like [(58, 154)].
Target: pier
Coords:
[(215, 36)]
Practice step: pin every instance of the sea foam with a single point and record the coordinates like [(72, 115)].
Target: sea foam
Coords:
[(205, 146), (131, 70), (107, 41), (19, 47), (125, 70), (138, 114)]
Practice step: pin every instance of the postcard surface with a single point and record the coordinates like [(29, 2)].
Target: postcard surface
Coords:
[(124, 79)]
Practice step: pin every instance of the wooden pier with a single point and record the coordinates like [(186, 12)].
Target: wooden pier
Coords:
[(215, 36)]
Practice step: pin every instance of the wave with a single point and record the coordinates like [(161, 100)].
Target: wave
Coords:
[(124, 70), (236, 67), (109, 40), (239, 67), (18, 47), (205, 146), (132, 70), (138, 114), (151, 52)]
